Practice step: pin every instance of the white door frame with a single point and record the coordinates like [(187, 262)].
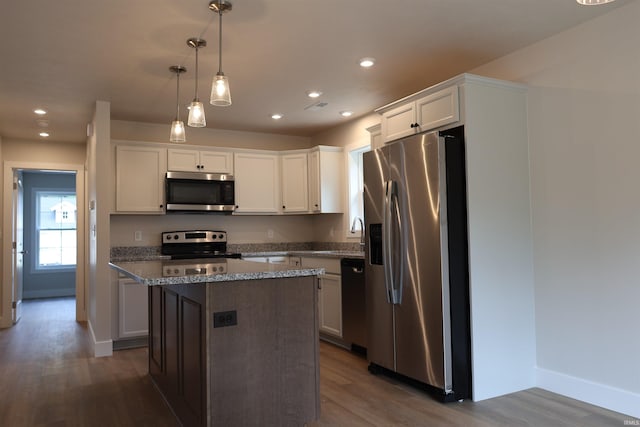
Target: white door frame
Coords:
[(6, 289)]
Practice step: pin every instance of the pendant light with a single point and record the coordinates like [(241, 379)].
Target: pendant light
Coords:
[(220, 93), (177, 126), (196, 109)]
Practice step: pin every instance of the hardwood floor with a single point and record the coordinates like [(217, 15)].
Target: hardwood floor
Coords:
[(49, 378)]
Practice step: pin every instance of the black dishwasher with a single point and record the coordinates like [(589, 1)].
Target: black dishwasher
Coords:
[(354, 323)]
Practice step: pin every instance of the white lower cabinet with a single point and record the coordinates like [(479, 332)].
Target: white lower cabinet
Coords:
[(329, 294), (330, 304), (133, 309)]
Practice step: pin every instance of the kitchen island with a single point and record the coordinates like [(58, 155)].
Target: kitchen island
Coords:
[(232, 342)]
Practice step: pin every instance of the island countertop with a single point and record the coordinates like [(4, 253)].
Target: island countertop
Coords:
[(173, 272)]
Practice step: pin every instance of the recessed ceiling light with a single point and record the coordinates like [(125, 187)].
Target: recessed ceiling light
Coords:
[(44, 134), (276, 116), (314, 93), (593, 2), (40, 111), (346, 113), (367, 62)]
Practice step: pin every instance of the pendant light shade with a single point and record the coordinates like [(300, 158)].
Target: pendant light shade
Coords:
[(177, 126), (177, 131), (220, 91), (196, 109)]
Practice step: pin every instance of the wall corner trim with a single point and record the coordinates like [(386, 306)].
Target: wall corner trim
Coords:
[(100, 348)]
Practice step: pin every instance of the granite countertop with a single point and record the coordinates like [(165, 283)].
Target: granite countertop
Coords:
[(173, 272), (323, 254)]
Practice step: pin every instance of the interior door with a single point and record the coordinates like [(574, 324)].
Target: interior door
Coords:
[(18, 245)]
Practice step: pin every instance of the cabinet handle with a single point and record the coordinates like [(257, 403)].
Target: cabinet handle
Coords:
[(316, 205), (161, 206), (237, 206), (284, 207)]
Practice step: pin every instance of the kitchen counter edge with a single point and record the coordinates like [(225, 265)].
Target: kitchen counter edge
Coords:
[(138, 272)]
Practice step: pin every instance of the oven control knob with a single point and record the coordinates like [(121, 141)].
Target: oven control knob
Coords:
[(213, 237), (176, 237), (221, 236), (167, 237), (176, 271)]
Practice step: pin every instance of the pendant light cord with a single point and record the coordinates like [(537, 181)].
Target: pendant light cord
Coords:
[(197, 47), (220, 38), (178, 96)]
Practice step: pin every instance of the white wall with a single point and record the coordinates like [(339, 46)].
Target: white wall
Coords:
[(584, 110), (150, 132), (98, 192)]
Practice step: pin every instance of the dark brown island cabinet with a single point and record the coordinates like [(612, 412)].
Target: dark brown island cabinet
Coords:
[(237, 353)]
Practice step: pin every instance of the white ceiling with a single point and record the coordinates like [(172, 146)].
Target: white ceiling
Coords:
[(64, 55)]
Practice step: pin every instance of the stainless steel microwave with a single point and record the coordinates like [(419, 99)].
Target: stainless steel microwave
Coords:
[(199, 192)]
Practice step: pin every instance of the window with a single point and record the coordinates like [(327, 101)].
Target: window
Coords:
[(55, 229), (356, 188)]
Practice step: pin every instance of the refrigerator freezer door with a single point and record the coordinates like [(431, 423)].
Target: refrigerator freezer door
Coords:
[(380, 339), (415, 164)]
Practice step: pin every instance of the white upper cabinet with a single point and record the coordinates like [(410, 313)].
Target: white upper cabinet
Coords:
[(417, 113), (212, 161), (257, 182), (326, 179), (140, 173), (295, 188)]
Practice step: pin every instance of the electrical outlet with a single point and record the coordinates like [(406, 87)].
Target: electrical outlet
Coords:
[(137, 236), (225, 318), (270, 234)]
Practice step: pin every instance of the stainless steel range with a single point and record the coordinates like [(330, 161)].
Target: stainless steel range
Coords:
[(193, 244), (214, 266)]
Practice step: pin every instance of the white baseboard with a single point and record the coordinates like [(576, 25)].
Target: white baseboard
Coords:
[(605, 396), (49, 293), (100, 348)]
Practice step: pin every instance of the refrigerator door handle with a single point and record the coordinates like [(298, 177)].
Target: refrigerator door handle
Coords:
[(397, 272), (386, 240), (392, 224)]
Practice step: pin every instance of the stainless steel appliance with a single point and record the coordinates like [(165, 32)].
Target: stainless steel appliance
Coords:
[(192, 244), (186, 268), (199, 192), (417, 264), (354, 324)]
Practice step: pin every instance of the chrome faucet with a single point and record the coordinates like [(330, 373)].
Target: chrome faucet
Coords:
[(357, 220)]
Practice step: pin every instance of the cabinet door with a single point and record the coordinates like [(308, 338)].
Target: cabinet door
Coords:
[(314, 181), (140, 179), (183, 160), (396, 123), (257, 182), (216, 162), (133, 309), (438, 109), (294, 183), (330, 304)]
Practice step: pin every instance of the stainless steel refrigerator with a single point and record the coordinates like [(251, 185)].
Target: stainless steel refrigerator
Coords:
[(417, 265)]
